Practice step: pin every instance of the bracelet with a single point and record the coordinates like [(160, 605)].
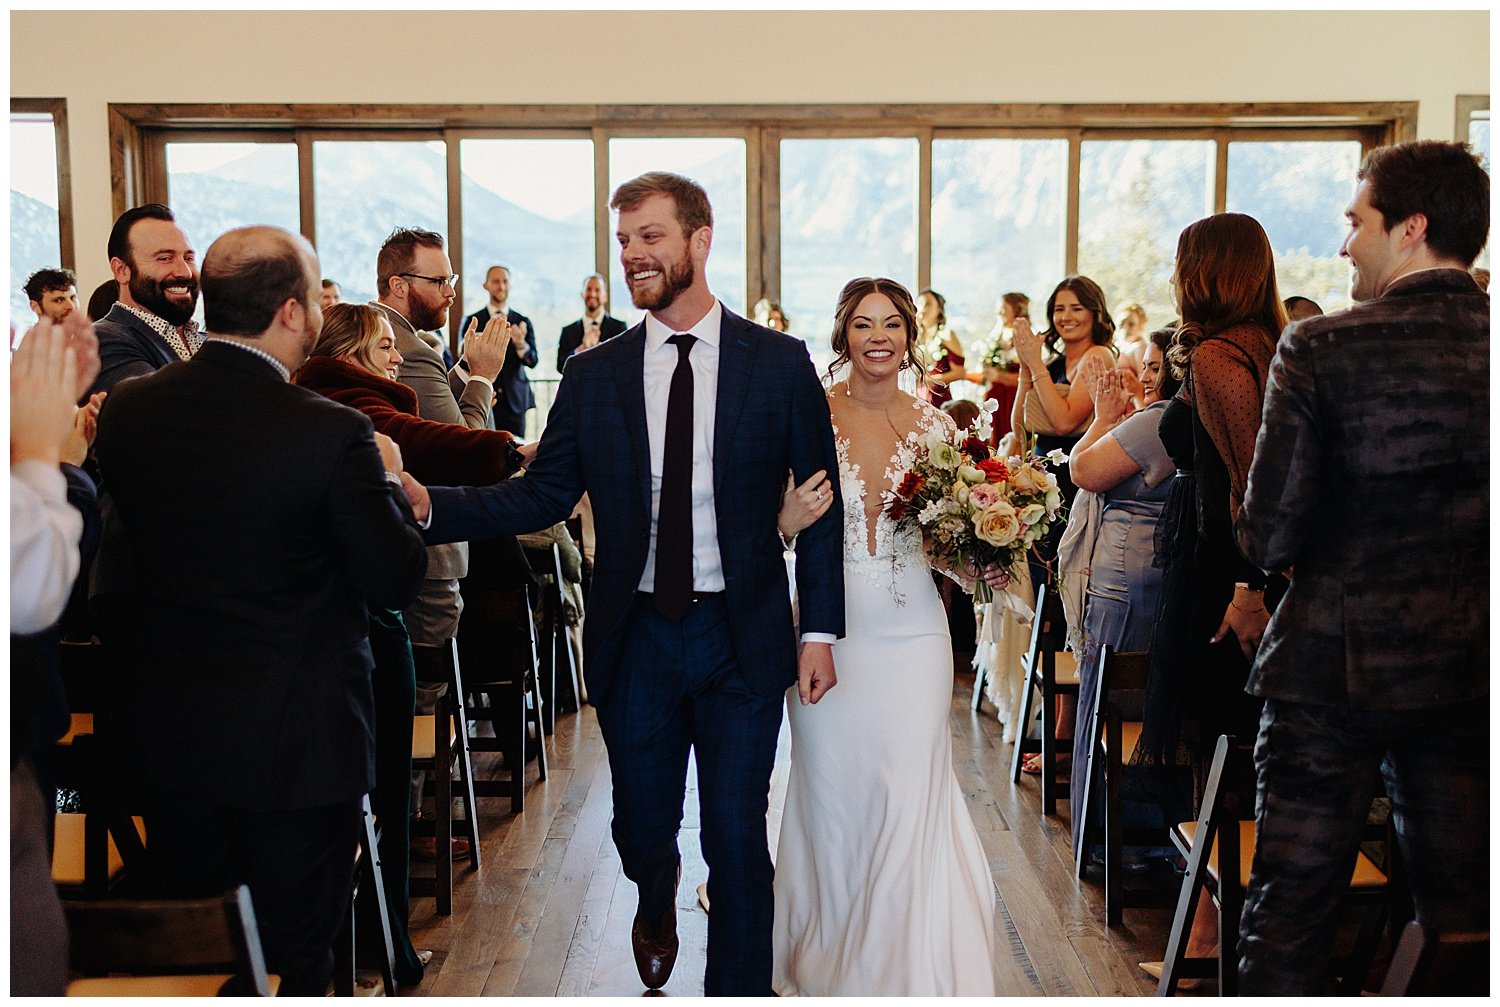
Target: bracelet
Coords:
[(1248, 611)]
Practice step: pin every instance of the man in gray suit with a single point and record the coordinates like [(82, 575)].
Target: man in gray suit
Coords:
[(1371, 485), (414, 280)]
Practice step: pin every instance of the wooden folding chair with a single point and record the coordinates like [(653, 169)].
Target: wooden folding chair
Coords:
[(167, 948), (1219, 848), (1051, 671), (367, 925), (1120, 684), (439, 742), (1427, 963)]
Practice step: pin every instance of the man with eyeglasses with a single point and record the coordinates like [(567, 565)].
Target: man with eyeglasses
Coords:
[(414, 283), (513, 395)]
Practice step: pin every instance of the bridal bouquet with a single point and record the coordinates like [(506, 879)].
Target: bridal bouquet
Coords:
[(974, 508)]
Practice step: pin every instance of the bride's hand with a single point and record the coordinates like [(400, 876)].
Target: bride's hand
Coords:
[(802, 505), (996, 576)]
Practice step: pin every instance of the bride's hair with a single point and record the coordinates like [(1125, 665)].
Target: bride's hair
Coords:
[(857, 290)]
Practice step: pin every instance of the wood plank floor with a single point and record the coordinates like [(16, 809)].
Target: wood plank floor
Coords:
[(549, 915)]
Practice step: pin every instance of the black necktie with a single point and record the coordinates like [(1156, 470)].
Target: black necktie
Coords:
[(674, 511)]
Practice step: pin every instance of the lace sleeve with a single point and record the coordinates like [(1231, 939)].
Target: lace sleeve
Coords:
[(1229, 405)]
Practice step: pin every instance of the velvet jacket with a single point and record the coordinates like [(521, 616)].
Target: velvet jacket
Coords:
[(444, 454)]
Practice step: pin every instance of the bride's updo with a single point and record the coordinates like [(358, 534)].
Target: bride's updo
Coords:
[(857, 290)]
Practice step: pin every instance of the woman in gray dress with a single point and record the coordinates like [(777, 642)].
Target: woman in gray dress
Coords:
[(1124, 462)]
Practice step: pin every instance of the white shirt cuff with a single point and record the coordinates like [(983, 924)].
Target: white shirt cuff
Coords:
[(827, 638), (480, 377)]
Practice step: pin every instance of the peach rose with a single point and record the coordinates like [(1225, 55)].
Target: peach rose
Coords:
[(1029, 480), (997, 524)]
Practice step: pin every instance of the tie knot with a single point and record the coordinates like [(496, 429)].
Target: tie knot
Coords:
[(684, 343)]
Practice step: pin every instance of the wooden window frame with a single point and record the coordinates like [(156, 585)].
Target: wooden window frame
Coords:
[(139, 132), (57, 108)]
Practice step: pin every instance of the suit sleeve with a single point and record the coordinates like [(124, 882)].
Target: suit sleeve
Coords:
[(120, 360), (543, 496), (1286, 474), (474, 403), (565, 347), (820, 547), (372, 523), (530, 358)]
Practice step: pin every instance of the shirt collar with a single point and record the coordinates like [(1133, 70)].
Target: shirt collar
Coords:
[(394, 314), (183, 339), (281, 368), (596, 317), (707, 329)]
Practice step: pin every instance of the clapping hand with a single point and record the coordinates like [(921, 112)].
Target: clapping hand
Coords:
[(44, 380), (85, 428), (485, 351), (518, 337), (1111, 397), (1028, 346)]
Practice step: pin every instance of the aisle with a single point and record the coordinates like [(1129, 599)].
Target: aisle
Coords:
[(550, 914)]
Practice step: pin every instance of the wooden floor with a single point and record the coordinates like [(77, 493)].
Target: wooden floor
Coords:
[(550, 913)]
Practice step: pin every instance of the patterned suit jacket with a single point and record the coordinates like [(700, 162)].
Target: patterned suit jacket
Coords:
[(1371, 477), (771, 416)]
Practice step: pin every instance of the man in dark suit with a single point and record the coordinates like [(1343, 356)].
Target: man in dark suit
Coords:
[(260, 520), (593, 328), (151, 324), (1371, 484), (682, 432), (513, 394)]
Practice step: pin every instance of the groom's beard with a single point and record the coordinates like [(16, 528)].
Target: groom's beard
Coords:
[(675, 278)]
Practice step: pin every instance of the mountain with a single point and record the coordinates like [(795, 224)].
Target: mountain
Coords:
[(847, 208)]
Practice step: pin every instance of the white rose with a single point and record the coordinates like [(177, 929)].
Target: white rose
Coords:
[(1032, 513)]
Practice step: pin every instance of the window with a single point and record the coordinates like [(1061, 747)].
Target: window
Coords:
[(973, 200), (1135, 197), (1298, 192), (998, 225), (213, 187), (528, 205), (363, 190), (35, 219), (1474, 128), (848, 208), (716, 163)]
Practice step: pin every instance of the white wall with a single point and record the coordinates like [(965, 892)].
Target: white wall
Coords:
[(95, 58)]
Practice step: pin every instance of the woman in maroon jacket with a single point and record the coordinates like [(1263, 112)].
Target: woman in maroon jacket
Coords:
[(355, 363)]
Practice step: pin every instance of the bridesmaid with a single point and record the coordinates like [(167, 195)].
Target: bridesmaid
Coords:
[(1000, 381), (937, 343)]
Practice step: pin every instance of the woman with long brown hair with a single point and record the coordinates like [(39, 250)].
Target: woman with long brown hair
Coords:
[(882, 885), (1214, 603)]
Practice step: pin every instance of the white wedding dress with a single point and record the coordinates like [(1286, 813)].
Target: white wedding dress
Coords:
[(882, 886)]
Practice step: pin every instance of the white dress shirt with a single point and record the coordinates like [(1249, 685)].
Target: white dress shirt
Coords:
[(44, 534), (661, 362)]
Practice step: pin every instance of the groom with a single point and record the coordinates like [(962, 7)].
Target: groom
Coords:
[(682, 431)]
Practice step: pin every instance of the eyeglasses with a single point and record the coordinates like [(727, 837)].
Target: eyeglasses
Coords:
[(441, 281)]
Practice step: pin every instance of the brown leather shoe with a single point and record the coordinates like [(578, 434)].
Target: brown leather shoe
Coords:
[(655, 948)]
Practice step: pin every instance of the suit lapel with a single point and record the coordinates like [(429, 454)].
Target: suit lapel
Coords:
[(631, 387), (736, 355)]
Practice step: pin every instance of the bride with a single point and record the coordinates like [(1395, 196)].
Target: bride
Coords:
[(882, 886)]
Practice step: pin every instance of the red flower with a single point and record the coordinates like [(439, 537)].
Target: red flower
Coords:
[(994, 470), (976, 449), (911, 485), (897, 509)]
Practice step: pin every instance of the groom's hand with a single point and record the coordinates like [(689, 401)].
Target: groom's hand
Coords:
[(815, 672)]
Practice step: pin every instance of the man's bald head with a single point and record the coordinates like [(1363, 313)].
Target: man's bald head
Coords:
[(250, 273)]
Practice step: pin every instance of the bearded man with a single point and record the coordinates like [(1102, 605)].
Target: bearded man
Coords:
[(151, 324)]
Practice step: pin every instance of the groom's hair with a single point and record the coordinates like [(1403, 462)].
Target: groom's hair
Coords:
[(693, 210)]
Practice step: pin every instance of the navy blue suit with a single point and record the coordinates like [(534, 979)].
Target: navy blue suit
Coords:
[(128, 348), (513, 394), (714, 681)]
